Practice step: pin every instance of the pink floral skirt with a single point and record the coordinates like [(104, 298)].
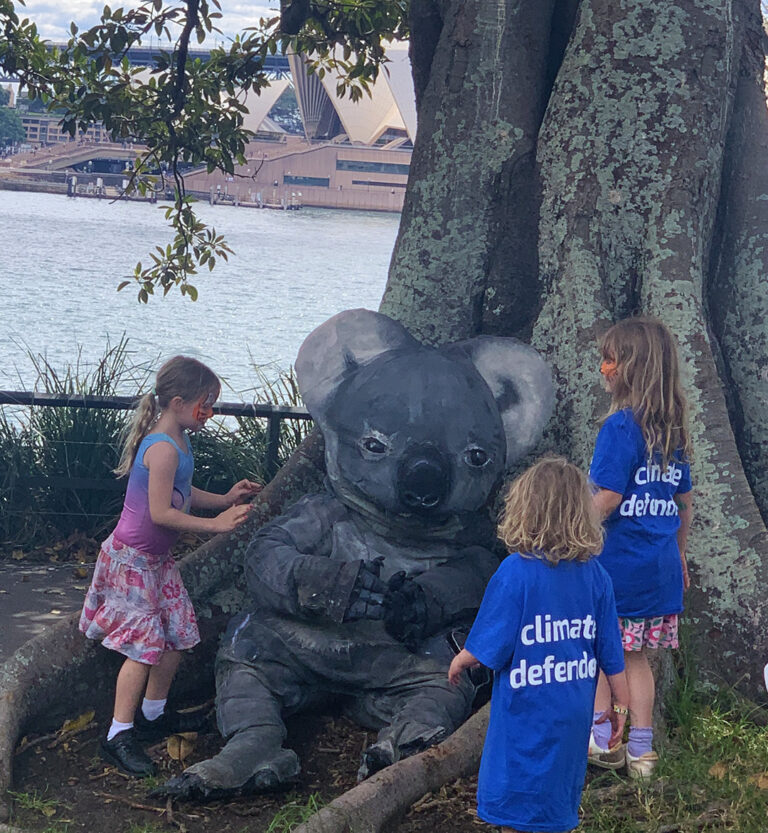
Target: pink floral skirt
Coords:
[(137, 604), (653, 632)]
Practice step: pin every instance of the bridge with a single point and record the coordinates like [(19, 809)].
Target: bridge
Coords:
[(275, 66)]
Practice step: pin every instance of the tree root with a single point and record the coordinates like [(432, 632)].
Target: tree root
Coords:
[(378, 802)]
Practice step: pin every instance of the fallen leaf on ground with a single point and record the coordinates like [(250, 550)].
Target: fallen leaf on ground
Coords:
[(181, 746), (760, 780), (77, 724), (718, 770)]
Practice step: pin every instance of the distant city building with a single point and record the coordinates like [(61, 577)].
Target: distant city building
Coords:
[(42, 129)]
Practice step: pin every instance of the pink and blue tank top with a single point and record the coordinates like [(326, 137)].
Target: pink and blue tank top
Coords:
[(136, 527)]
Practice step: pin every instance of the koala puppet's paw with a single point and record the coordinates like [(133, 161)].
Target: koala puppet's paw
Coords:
[(405, 611)]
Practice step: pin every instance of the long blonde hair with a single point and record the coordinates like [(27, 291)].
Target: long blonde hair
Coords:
[(648, 382), (549, 513), (180, 376)]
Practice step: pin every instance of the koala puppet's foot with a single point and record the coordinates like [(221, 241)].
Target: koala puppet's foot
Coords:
[(189, 787), (192, 787)]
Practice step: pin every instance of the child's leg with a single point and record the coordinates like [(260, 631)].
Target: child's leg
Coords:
[(161, 676), (642, 688), (120, 747), (154, 721), (130, 684)]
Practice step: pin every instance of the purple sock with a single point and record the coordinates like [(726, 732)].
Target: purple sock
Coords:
[(640, 740), (601, 732)]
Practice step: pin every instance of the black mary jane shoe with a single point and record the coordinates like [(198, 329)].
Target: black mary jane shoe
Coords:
[(124, 752), (169, 723)]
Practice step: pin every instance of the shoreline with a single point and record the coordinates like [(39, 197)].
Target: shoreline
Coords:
[(25, 182)]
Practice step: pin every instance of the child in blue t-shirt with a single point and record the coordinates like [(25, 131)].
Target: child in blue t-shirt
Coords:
[(641, 472), (547, 623)]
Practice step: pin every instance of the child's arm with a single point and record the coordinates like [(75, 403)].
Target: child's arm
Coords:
[(685, 508), (162, 460), (239, 493), (605, 501), (461, 662), (619, 700)]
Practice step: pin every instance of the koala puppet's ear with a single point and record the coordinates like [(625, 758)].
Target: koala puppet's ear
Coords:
[(338, 346), (521, 383)]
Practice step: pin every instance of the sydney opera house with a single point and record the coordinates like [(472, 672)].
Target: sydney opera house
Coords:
[(352, 154)]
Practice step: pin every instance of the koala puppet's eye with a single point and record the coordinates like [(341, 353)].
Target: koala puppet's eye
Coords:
[(476, 457), (373, 446)]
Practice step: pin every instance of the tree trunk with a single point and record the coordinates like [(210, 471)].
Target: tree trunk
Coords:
[(470, 208), (630, 167), (737, 290)]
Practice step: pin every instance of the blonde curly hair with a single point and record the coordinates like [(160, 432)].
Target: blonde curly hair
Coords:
[(549, 513)]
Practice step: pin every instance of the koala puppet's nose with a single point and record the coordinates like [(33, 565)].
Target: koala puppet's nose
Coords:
[(423, 480)]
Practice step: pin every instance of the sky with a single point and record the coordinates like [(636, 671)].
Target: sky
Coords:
[(53, 17)]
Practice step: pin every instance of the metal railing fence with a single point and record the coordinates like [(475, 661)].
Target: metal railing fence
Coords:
[(274, 415)]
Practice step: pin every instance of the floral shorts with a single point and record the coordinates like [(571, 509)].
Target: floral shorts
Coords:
[(137, 604), (655, 632)]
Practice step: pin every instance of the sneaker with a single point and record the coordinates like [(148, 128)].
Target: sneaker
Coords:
[(169, 723), (642, 768), (124, 752), (605, 758)]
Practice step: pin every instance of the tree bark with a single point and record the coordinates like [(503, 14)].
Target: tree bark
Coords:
[(471, 203), (737, 291), (631, 152)]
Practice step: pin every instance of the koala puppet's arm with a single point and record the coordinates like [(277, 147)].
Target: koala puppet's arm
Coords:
[(287, 565), (454, 590)]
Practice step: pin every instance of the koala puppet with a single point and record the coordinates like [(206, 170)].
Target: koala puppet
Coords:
[(355, 592)]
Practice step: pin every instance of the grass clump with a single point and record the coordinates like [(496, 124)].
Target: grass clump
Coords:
[(294, 813), (34, 801)]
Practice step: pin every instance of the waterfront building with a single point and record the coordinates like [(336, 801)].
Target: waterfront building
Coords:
[(351, 154)]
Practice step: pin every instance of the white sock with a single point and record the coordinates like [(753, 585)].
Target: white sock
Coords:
[(152, 709), (118, 727)]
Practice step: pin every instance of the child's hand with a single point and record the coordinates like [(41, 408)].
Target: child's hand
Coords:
[(686, 577), (617, 725), (231, 518), (461, 662), (243, 491)]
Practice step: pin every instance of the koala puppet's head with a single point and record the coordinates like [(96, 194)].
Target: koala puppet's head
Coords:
[(416, 430)]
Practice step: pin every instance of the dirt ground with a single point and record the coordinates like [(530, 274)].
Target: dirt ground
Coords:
[(62, 785)]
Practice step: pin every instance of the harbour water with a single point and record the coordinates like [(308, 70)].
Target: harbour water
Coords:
[(61, 261)]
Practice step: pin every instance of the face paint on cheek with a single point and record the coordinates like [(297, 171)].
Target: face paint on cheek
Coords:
[(608, 369), (204, 409)]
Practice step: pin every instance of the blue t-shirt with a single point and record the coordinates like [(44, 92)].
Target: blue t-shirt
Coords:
[(545, 631), (640, 553)]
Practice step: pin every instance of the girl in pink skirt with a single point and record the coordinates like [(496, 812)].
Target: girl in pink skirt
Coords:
[(137, 604)]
